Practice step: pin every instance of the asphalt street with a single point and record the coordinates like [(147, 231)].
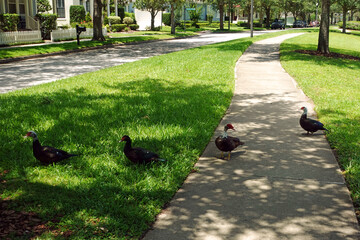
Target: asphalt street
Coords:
[(27, 73)]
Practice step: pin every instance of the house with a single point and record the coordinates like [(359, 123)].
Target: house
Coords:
[(26, 9)]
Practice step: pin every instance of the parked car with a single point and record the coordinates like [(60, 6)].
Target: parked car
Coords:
[(314, 24), (278, 24), (299, 24)]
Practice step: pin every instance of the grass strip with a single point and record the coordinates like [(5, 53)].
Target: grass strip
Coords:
[(54, 48), (169, 104), (334, 86)]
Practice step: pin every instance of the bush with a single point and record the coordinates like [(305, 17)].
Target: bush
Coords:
[(9, 22), (77, 13), (128, 21), (114, 20), (134, 27), (354, 25), (121, 12), (47, 24), (118, 27), (209, 18), (166, 19), (88, 18), (131, 15)]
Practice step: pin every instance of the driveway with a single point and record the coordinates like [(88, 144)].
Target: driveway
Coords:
[(26, 73)]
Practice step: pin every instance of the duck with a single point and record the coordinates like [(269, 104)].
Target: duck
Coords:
[(227, 143), (139, 155), (308, 124), (45, 154)]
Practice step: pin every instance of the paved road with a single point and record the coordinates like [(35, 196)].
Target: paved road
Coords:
[(282, 184), (27, 73)]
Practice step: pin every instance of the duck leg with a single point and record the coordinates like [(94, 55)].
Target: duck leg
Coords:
[(222, 155), (229, 156)]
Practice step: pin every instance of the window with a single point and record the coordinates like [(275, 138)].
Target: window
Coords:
[(60, 8), (87, 6)]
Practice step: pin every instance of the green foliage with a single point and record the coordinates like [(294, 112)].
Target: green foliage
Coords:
[(114, 20), (134, 27), (88, 18), (209, 18), (131, 15), (118, 27), (121, 12), (43, 6), (166, 19), (195, 14), (9, 22), (128, 21), (77, 13), (47, 24), (353, 25)]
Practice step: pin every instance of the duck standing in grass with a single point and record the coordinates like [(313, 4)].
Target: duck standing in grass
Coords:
[(139, 155), (45, 154), (227, 143), (308, 124)]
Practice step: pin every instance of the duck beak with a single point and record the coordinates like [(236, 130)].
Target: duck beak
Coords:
[(121, 140)]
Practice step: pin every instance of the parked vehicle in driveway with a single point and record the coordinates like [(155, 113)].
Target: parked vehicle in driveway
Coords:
[(278, 24), (314, 24), (299, 24)]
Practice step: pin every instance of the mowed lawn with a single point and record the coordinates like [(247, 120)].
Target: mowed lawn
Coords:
[(334, 86), (169, 104)]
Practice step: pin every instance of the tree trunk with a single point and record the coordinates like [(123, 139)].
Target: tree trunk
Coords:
[(221, 11), (268, 16), (344, 20), (172, 19), (97, 23), (152, 20), (323, 43)]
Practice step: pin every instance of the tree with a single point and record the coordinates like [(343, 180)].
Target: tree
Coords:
[(267, 5), (174, 4), (323, 42), (97, 21), (152, 6), (43, 6), (346, 5), (219, 5)]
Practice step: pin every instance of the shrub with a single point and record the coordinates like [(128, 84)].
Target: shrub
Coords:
[(77, 13), (118, 27), (209, 18), (354, 25), (121, 12), (9, 22), (166, 19), (47, 24), (43, 6), (114, 20), (88, 18), (128, 21), (131, 15), (134, 27)]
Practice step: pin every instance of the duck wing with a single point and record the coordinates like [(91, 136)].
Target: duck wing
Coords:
[(141, 155), (50, 155)]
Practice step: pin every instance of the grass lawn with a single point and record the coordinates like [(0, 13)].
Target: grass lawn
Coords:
[(170, 104), (334, 86)]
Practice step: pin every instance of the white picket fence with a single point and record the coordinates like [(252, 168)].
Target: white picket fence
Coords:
[(19, 37), (71, 34)]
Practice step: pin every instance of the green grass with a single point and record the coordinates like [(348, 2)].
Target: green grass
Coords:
[(334, 86), (52, 48), (170, 104)]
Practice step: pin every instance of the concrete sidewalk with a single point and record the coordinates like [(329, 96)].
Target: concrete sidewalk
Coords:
[(282, 184)]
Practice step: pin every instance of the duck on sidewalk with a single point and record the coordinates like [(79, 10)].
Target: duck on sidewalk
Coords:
[(227, 143)]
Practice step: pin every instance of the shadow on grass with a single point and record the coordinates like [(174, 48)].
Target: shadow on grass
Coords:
[(173, 119)]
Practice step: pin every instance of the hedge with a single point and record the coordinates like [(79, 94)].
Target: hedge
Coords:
[(47, 24), (9, 22), (354, 25), (134, 27), (166, 19), (77, 13), (118, 27), (114, 20)]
